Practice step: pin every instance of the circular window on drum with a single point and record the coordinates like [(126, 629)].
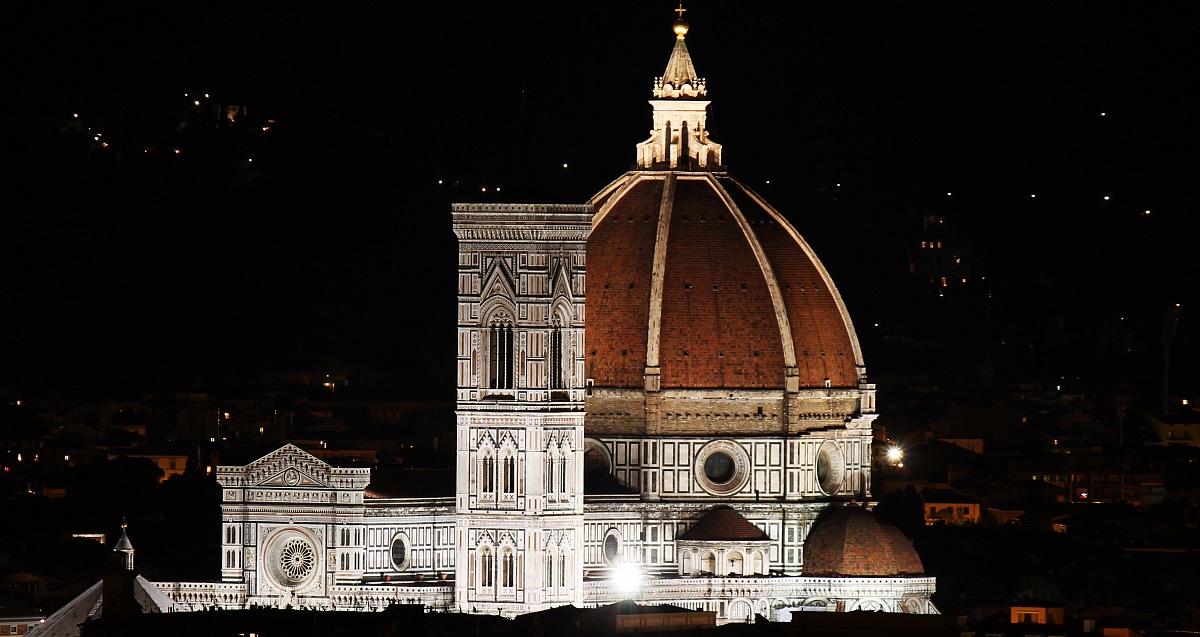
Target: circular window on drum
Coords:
[(612, 546), (400, 552), (291, 557), (830, 467), (722, 467)]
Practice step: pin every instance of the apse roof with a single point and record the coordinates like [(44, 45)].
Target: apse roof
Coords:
[(853, 542), (723, 524)]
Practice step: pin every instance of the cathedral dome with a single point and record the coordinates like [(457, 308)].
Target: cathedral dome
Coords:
[(853, 542), (696, 275), (707, 312)]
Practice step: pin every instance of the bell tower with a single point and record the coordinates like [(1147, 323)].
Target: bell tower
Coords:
[(520, 406)]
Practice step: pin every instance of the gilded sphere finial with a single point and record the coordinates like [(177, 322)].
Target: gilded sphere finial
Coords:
[(681, 25)]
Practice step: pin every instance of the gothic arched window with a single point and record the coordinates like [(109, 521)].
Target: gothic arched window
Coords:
[(510, 474), (500, 353), (557, 377), (509, 569), (488, 478), (487, 567)]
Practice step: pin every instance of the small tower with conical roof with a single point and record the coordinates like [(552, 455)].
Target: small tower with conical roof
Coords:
[(123, 551), (679, 139), (119, 597)]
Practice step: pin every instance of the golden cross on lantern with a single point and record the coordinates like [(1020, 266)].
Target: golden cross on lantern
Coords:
[(680, 10)]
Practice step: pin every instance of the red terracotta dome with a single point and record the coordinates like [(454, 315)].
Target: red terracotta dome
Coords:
[(710, 288), (853, 542), (707, 313)]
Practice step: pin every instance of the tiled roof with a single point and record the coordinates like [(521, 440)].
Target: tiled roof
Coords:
[(718, 327), (853, 542), (723, 524)]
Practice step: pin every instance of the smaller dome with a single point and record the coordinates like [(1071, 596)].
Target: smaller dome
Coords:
[(853, 542), (723, 524)]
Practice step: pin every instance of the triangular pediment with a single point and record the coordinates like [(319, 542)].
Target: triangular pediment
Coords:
[(560, 280), (288, 466), (291, 477), (499, 281)]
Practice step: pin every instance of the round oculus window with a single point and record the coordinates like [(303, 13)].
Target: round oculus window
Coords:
[(400, 553), (830, 467), (722, 467), (612, 546), (719, 467)]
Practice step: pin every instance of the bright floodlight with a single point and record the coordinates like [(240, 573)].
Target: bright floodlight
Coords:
[(628, 579), (894, 454)]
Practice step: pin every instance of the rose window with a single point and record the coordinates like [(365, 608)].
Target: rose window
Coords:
[(296, 559)]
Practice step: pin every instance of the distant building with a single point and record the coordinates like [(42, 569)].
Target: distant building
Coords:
[(944, 505), (940, 257), (19, 624), (1177, 429)]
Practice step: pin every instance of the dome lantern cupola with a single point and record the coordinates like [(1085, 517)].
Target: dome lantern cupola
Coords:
[(679, 139)]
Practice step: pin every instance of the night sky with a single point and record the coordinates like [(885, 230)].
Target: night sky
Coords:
[(333, 249)]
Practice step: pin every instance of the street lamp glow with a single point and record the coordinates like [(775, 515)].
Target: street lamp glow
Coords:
[(895, 455), (628, 579)]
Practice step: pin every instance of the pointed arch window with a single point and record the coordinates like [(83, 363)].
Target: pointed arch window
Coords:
[(487, 567), (551, 474), (488, 477), (500, 353), (557, 377), (510, 474), (508, 572), (560, 474)]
